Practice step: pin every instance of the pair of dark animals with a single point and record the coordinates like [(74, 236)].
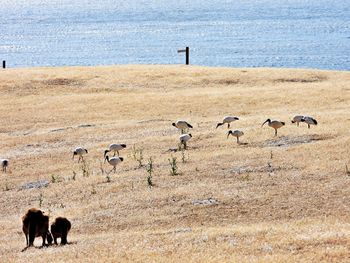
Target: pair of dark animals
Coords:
[(36, 224)]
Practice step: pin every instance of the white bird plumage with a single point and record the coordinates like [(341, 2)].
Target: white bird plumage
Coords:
[(309, 120), (114, 161), (80, 151), (228, 120), (274, 124), (297, 119), (235, 133), (184, 138), (4, 164), (182, 125), (115, 147)]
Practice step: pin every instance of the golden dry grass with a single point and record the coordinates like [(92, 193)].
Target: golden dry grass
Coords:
[(283, 199)]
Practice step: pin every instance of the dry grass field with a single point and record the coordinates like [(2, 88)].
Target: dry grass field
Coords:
[(269, 199)]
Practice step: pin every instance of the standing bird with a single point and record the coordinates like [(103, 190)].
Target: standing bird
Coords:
[(236, 134), (296, 119), (80, 151), (114, 161), (115, 147), (274, 124), (4, 164), (182, 125), (228, 120), (309, 121), (184, 138)]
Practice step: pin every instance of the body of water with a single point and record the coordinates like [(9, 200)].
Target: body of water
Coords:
[(235, 33)]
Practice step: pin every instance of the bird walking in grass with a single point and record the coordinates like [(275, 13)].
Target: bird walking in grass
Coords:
[(274, 124), (4, 164), (80, 151), (236, 134), (182, 126), (115, 147), (309, 120), (297, 119), (184, 138), (228, 120), (114, 161)]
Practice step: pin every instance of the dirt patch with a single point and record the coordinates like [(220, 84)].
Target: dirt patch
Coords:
[(226, 82), (269, 168), (285, 141), (63, 82), (310, 79)]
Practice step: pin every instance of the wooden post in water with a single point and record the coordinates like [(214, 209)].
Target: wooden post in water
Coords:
[(187, 50), (4, 64)]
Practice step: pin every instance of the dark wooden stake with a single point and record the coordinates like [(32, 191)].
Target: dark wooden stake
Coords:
[(187, 55), (4, 64), (187, 50)]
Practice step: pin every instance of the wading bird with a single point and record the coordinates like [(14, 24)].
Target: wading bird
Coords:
[(115, 147), (297, 119), (114, 161), (236, 134), (184, 138), (274, 124), (80, 152), (228, 120), (182, 125), (309, 121)]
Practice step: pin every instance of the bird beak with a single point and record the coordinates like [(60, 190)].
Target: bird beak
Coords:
[(73, 157), (228, 134), (263, 123)]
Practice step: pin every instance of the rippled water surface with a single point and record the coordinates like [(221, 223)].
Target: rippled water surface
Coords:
[(237, 33)]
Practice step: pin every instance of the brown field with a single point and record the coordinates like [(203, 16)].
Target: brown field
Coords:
[(275, 199)]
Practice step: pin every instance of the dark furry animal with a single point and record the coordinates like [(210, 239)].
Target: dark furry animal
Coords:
[(60, 229), (35, 224)]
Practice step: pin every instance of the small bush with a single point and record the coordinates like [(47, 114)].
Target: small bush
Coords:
[(41, 199), (173, 166), (137, 154), (149, 169)]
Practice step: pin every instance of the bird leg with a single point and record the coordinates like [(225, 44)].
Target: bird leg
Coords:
[(228, 126), (118, 153), (114, 153), (275, 132), (237, 139), (308, 126)]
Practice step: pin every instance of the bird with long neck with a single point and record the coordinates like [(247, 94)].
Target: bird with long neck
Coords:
[(114, 161), (236, 134), (309, 120), (274, 124), (228, 120), (182, 126)]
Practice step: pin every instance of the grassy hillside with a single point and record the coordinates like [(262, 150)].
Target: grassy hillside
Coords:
[(283, 198)]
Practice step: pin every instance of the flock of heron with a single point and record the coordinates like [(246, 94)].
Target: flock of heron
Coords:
[(183, 126)]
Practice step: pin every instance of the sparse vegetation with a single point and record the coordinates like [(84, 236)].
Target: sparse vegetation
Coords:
[(41, 199), (85, 168), (173, 166), (149, 169), (300, 212), (184, 158), (137, 154), (55, 179), (74, 175)]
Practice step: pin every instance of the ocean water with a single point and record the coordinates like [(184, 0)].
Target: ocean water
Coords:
[(234, 33)]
